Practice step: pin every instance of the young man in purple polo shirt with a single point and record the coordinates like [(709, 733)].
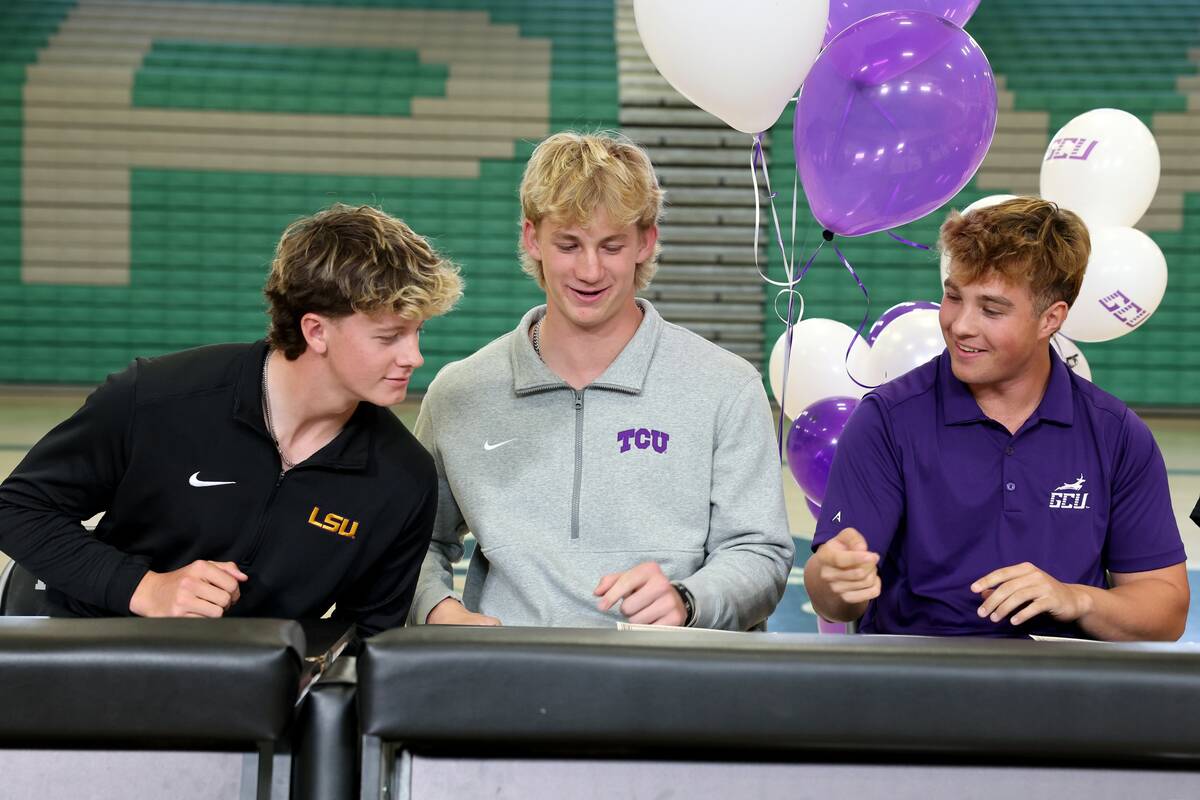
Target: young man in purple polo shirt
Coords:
[(992, 491)]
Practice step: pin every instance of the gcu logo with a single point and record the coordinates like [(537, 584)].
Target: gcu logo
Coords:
[(334, 523), (1120, 306), (643, 438), (1070, 147), (1068, 495)]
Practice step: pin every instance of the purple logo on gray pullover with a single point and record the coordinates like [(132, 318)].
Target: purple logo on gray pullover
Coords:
[(641, 438)]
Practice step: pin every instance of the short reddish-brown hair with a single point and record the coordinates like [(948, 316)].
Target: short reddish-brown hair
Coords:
[(1025, 240)]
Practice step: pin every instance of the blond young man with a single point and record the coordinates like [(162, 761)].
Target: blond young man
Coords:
[(992, 491), (264, 479), (612, 466)]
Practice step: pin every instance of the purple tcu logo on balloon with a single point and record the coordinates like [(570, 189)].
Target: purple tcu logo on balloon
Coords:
[(1072, 147), (641, 438), (1120, 306)]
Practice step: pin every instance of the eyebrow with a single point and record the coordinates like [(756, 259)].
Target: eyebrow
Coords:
[(1000, 301)]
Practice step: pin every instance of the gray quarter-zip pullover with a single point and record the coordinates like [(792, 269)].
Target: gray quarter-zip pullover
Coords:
[(669, 456)]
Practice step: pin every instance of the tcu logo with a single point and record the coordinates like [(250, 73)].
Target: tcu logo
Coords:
[(641, 438), (1070, 147), (1069, 496), (334, 523), (1120, 306)]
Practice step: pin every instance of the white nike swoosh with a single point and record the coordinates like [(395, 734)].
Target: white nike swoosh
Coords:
[(195, 481), (487, 446)]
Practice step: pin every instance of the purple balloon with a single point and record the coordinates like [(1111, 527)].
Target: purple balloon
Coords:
[(894, 118), (896, 311), (812, 441), (814, 508), (844, 13)]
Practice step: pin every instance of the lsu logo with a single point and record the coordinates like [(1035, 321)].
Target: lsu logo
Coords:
[(334, 523), (641, 438), (1069, 495)]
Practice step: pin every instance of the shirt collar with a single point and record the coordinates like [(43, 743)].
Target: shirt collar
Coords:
[(627, 372), (350, 449), (959, 406)]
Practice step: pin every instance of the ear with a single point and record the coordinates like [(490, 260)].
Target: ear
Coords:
[(316, 331), (1053, 319), (648, 237), (530, 240)]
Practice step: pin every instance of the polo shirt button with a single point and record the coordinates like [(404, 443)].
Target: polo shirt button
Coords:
[(1010, 486), (1008, 451)]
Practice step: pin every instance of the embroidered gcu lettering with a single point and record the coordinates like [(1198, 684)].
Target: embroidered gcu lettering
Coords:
[(1120, 306), (641, 438), (1070, 495), (335, 523)]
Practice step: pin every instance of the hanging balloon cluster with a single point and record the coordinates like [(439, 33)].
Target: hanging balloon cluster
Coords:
[(896, 111)]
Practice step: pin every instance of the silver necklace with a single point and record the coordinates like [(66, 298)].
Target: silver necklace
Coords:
[(537, 337), (266, 403)]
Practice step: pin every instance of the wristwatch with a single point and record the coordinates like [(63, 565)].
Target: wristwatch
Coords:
[(689, 603)]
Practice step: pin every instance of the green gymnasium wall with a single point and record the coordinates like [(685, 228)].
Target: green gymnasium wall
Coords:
[(152, 152), (1057, 60)]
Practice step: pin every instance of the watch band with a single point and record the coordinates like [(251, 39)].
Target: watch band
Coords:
[(689, 603)]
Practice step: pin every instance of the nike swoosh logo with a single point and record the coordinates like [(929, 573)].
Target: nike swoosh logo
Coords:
[(487, 446), (195, 481)]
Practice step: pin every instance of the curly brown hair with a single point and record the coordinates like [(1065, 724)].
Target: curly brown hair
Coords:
[(345, 259), (1024, 240)]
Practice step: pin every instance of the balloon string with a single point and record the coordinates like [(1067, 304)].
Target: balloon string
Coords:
[(902, 240), (787, 344), (866, 316)]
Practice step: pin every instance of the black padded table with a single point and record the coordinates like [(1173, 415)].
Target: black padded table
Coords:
[(103, 708), (454, 712)]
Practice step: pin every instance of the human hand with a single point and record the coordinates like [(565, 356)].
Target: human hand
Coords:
[(451, 612), (645, 593), (849, 569), (1008, 589), (201, 589)]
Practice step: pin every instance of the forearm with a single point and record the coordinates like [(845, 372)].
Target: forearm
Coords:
[(436, 581), (824, 600), (738, 588), (1145, 610), (61, 552)]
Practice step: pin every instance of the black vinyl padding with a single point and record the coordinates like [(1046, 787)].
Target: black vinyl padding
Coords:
[(131, 682), (773, 695), (325, 760)]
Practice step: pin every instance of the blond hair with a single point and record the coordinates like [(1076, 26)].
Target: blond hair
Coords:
[(570, 175), (345, 259), (1024, 240)]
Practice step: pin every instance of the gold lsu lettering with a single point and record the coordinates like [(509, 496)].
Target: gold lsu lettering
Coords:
[(334, 523)]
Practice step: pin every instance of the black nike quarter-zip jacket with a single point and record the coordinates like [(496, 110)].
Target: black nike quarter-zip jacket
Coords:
[(176, 453)]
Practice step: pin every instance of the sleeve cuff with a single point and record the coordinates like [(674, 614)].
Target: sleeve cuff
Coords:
[(123, 584)]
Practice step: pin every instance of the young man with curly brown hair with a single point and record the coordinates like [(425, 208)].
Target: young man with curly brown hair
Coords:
[(263, 479)]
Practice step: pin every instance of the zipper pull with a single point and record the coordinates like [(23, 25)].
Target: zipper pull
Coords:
[(279, 480), (578, 400)]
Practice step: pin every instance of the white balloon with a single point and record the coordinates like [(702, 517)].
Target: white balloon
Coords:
[(1104, 166), (1069, 352), (1124, 283), (742, 62), (983, 202), (819, 368), (907, 343)]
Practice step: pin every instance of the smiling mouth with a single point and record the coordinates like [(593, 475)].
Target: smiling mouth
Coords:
[(970, 351), (589, 294)]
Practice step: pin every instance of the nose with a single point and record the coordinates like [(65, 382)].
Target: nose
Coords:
[(408, 353), (588, 268), (957, 319)]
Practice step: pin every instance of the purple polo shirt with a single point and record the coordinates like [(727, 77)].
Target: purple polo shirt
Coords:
[(946, 495)]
